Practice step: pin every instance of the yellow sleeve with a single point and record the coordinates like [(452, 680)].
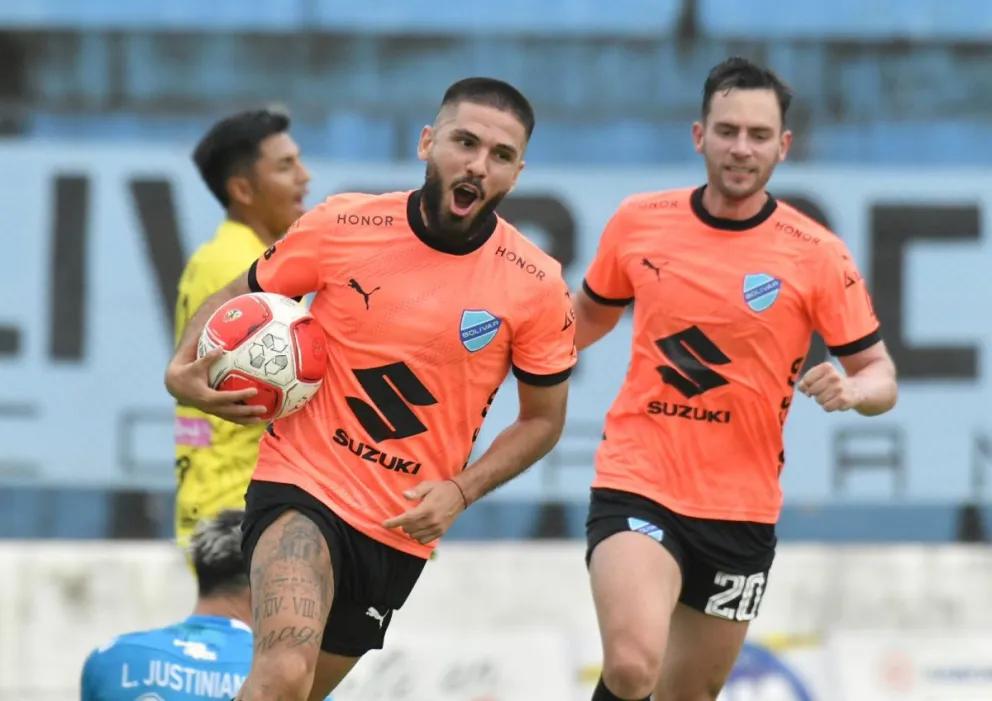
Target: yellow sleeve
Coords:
[(214, 458), (210, 268), (197, 282)]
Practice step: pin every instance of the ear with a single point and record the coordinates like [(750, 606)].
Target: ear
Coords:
[(784, 145), (239, 190), (425, 142), (516, 175), (697, 136)]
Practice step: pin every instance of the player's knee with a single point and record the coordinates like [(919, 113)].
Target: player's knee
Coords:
[(284, 674), (630, 671)]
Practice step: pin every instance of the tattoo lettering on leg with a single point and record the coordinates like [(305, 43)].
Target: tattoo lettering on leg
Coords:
[(285, 581), (290, 635), (270, 606), (291, 585), (305, 607)]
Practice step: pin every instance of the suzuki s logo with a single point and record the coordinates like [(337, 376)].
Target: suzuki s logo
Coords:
[(690, 352)]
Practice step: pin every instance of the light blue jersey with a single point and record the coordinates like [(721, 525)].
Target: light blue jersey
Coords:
[(203, 657)]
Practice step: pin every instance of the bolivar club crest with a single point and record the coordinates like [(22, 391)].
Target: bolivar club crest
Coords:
[(760, 291), (477, 329)]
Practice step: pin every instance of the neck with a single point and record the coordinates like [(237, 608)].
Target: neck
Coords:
[(438, 233), (423, 215), (723, 207), (253, 222), (238, 607)]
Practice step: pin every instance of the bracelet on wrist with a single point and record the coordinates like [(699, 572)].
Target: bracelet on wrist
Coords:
[(460, 491)]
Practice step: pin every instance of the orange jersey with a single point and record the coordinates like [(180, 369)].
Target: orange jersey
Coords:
[(421, 333), (723, 316)]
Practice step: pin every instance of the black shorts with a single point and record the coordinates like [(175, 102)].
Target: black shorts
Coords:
[(724, 564), (371, 579)]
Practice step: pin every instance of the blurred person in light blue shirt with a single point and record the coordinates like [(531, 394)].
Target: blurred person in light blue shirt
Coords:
[(205, 656)]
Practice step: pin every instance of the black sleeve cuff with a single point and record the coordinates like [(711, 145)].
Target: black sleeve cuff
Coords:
[(857, 346), (600, 299), (529, 378), (253, 279)]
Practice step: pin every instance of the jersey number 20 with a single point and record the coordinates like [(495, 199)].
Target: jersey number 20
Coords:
[(745, 590)]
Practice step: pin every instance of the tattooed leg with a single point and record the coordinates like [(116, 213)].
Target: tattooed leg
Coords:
[(291, 592)]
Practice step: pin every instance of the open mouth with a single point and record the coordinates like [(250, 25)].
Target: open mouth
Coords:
[(740, 170), (463, 199)]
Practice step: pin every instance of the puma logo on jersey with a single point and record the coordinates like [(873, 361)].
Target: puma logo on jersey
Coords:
[(373, 612), (651, 266), (354, 284)]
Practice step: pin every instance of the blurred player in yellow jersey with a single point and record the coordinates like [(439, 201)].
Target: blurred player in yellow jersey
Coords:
[(252, 166)]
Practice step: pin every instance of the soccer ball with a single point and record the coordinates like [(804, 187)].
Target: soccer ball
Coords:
[(272, 344)]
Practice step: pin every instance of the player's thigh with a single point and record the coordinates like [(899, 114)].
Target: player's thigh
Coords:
[(700, 654), (718, 601), (331, 669), (292, 588), (635, 585)]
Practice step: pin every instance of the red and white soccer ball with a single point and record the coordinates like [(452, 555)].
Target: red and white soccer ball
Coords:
[(273, 344)]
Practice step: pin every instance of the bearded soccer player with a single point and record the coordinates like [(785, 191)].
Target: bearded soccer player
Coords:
[(252, 166), (428, 299), (728, 284)]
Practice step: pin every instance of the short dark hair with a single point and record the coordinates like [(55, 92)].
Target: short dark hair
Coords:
[(738, 72), (215, 550), (493, 93), (232, 145)]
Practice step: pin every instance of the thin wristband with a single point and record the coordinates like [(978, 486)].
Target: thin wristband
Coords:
[(460, 491)]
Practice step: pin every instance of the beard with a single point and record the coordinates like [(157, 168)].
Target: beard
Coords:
[(445, 224)]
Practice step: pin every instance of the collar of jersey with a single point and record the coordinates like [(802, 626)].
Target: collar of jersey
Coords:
[(219, 621), (696, 201), (457, 247)]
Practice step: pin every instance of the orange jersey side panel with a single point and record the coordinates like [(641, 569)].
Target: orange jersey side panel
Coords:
[(419, 340), (722, 324)]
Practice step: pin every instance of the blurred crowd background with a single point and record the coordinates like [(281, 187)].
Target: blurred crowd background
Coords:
[(880, 82)]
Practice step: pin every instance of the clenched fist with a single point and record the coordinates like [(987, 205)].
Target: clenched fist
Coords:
[(831, 388)]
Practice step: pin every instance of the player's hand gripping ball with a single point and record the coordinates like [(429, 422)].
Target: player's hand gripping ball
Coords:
[(271, 343)]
